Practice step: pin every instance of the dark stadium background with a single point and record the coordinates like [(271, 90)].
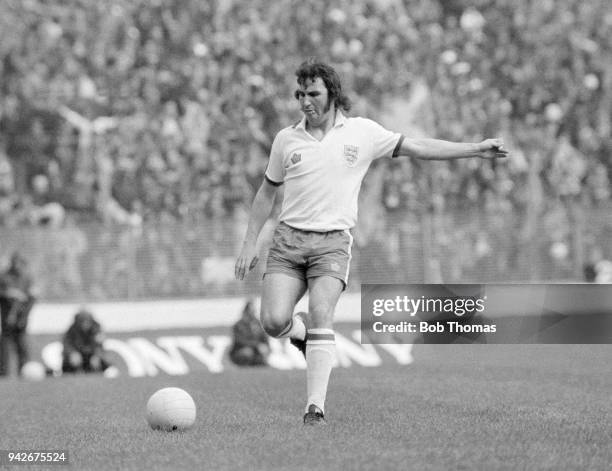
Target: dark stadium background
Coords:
[(130, 130)]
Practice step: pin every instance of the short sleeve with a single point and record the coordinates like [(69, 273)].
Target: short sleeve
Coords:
[(385, 143), (275, 172)]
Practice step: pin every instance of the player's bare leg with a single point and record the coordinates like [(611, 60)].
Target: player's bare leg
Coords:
[(280, 295), (324, 292)]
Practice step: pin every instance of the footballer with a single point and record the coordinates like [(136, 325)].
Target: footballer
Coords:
[(321, 161)]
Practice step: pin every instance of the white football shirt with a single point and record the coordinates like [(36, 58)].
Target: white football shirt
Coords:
[(322, 178)]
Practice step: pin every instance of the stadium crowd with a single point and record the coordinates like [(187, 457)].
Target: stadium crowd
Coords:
[(164, 110)]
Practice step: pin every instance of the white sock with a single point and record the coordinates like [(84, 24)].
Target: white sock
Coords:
[(320, 357), (295, 330)]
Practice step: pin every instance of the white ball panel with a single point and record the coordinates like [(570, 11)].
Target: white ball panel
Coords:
[(171, 409)]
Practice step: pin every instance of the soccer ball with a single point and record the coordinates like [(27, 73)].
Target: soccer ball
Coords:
[(171, 409), (33, 371)]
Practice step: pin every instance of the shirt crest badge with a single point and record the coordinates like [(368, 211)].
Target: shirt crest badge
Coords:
[(351, 154), (295, 158)]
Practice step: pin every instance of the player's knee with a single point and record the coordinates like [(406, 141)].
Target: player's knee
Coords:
[(274, 325), (274, 328)]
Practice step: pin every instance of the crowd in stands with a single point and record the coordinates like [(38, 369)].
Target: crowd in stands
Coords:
[(165, 110)]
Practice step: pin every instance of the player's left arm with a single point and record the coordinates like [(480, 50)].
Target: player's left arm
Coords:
[(436, 149)]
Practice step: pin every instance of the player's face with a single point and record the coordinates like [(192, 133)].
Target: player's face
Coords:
[(314, 101)]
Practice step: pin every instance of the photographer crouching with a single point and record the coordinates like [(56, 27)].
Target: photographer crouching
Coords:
[(83, 351)]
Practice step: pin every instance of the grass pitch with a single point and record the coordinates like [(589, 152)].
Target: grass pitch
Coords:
[(457, 407)]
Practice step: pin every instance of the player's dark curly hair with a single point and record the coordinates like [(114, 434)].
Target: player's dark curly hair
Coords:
[(311, 69)]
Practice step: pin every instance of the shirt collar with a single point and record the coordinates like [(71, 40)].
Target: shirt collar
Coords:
[(301, 124), (340, 121)]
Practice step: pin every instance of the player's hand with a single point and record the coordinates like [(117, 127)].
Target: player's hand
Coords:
[(492, 149), (246, 260)]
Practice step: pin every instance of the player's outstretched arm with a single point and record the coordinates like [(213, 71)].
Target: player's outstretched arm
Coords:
[(260, 211), (435, 149)]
